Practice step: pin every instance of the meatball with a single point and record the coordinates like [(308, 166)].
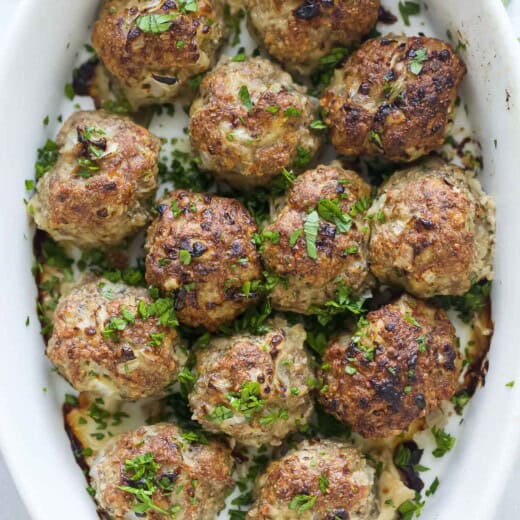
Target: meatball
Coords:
[(393, 98), (97, 193), (200, 246), (432, 231), (154, 50), (332, 202), (254, 388), (251, 121), (300, 33), (115, 341), (179, 479), (399, 364), (323, 479)]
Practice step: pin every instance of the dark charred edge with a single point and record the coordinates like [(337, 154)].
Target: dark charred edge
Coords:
[(475, 375), (386, 16), (75, 443), (39, 238), (83, 76), (77, 450), (409, 475)]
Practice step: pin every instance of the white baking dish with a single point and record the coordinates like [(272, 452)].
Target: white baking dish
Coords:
[(35, 65)]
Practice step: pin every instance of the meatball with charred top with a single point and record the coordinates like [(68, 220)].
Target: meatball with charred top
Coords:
[(301, 33), (323, 479), (318, 240), (254, 388), (251, 121), (115, 341), (432, 231), (399, 365), (200, 247), (156, 472), (154, 48), (393, 98), (99, 190)]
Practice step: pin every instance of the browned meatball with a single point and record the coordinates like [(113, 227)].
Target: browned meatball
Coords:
[(98, 192), (200, 246), (432, 230), (400, 363), (319, 479), (393, 98), (154, 48), (110, 340), (299, 33), (335, 200), (254, 388), (189, 481), (251, 121)]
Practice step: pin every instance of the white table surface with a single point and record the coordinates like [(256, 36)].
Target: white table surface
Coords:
[(11, 506)]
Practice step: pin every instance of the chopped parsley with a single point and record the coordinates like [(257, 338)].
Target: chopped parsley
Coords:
[(155, 23), (302, 503), (143, 471), (220, 413), (273, 417), (294, 236), (408, 9), (247, 401), (322, 75), (416, 65), (407, 510), (323, 483), (303, 157), (443, 440), (185, 256), (47, 156), (273, 109), (292, 112), (318, 125), (433, 487), (469, 304), (245, 97), (310, 230), (329, 210)]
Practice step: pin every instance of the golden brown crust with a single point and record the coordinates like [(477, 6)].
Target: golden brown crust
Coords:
[(400, 364), (348, 493), (127, 365), (152, 67), (217, 233), (298, 33), (200, 475), (432, 231), (277, 362), (393, 98), (341, 257), (112, 203), (250, 147)]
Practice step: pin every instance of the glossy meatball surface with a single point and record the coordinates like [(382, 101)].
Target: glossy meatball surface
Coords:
[(393, 98), (153, 48), (254, 388), (432, 231), (200, 247), (188, 481), (399, 364), (299, 33), (323, 479), (333, 201), (98, 192), (250, 121), (115, 341)]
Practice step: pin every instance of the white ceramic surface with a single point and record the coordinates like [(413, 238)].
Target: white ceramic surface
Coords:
[(34, 67)]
